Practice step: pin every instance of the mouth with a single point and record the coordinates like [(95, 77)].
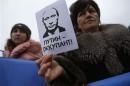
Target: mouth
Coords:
[(51, 26), (17, 38), (90, 20)]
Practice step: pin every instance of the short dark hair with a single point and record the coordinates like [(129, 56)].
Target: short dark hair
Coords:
[(56, 11), (22, 27), (78, 7)]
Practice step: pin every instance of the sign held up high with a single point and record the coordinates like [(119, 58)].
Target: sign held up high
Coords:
[(55, 28)]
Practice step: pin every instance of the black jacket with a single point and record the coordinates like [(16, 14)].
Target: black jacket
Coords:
[(100, 55)]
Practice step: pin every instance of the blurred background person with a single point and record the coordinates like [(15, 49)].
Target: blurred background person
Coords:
[(20, 46)]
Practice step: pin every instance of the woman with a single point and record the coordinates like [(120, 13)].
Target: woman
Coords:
[(104, 50), (20, 46)]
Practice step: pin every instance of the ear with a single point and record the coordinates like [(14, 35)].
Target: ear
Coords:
[(42, 20)]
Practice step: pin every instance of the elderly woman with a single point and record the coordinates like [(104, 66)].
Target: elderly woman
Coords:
[(20, 46), (104, 50)]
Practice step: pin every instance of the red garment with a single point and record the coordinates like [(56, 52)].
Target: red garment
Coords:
[(30, 50)]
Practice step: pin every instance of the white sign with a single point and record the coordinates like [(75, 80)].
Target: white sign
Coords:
[(55, 29)]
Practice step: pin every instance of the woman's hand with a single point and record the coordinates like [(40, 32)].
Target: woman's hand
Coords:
[(49, 68)]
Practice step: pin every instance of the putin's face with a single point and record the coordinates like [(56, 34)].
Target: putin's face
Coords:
[(50, 19)]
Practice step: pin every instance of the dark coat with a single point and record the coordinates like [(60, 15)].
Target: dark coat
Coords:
[(100, 55)]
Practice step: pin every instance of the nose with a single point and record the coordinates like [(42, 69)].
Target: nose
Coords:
[(51, 23), (87, 14)]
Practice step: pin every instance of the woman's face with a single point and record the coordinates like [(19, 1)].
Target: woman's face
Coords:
[(88, 20), (18, 36)]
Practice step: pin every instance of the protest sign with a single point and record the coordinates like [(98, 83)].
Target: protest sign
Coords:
[(55, 28)]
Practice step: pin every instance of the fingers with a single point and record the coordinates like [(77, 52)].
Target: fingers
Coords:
[(46, 58), (44, 68), (38, 61), (55, 71), (48, 68), (44, 63), (48, 75)]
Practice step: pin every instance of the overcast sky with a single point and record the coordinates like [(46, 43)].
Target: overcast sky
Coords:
[(15, 11)]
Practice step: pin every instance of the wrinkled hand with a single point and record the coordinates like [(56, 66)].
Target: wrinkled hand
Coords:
[(49, 68)]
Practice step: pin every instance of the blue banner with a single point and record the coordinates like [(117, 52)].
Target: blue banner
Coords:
[(119, 80), (14, 72)]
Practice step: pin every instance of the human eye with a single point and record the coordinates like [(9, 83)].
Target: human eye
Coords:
[(46, 18), (15, 30), (22, 31), (53, 15), (81, 13), (92, 11)]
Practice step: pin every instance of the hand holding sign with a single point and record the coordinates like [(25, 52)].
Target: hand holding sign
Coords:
[(56, 35), (49, 68)]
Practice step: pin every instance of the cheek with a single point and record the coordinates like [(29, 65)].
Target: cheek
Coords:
[(97, 18), (46, 23), (12, 36), (24, 37), (80, 22), (54, 20)]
